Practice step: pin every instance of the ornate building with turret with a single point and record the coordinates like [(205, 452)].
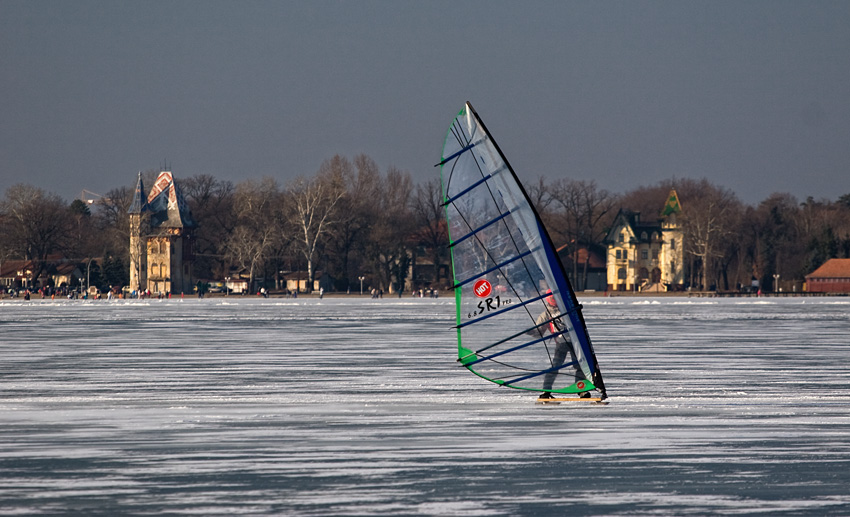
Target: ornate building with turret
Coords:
[(161, 235), (646, 256)]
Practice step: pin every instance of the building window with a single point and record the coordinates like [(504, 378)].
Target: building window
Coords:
[(622, 237), (672, 244), (619, 255), (644, 254), (655, 254)]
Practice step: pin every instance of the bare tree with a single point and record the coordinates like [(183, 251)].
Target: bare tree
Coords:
[(113, 206), (255, 233), (587, 213), (826, 225), (246, 247), (566, 194), (392, 235), (649, 201), (597, 211), (36, 224), (113, 220), (429, 214), (212, 205), (774, 224), (355, 215), (312, 207), (710, 218), (540, 195)]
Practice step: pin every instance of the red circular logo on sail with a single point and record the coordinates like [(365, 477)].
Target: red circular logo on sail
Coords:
[(580, 385), (482, 288)]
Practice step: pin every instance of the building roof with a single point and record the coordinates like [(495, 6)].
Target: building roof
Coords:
[(302, 275), (832, 268), (55, 265), (596, 261), (10, 268), (672, 205), (140, 204), (632, 220), (166, 203), (64, 268)]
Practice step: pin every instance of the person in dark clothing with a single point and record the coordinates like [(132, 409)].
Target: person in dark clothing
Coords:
[(549, 321)]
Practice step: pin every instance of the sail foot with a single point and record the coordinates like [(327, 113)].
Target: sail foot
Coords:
[(578, 387)]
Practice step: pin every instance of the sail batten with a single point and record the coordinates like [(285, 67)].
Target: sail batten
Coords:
[(494, 268), (455, 155), (482, 227), (514, 349), (474, 185), (508, 279), (538, 374), (514, 336)]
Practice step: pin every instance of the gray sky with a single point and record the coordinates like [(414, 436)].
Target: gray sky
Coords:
[(754, 96)]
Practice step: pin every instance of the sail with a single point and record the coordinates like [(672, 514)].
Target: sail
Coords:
[(519, 323)]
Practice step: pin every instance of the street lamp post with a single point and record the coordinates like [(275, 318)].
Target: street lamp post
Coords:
[(226, 285), (776, 283), (88, 275), (361, 278)]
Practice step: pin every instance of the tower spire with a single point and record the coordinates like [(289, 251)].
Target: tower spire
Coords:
[(672, 205), (140, 202)]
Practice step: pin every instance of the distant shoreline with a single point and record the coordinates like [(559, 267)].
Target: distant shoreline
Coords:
[(447, 294)]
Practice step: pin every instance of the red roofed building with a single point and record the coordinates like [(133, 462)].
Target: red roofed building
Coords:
[(832, 277), (161, 235)]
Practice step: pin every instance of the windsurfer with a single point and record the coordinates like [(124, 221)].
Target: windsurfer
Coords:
[(549, 321)]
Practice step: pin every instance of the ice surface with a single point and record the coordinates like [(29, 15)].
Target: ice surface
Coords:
[(350, 406)]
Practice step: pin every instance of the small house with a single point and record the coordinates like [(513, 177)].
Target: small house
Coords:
[(832, 277), (297, 281)]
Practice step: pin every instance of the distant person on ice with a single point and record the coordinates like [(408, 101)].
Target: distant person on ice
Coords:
[(549, 321)]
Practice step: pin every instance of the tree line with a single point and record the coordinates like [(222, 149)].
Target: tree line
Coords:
[(728, 244), (350, 220)]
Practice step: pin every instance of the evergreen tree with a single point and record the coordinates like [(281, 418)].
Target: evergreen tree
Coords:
[(115, 272)]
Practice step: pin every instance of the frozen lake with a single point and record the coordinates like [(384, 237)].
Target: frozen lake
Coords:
[(353, 406)]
